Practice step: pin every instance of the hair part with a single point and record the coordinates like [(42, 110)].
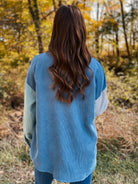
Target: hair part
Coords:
[(71, 55)]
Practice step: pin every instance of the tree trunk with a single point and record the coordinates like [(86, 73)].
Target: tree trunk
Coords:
[(132, 25), (54, 4), (59, 3), (84, 4), (101, 47), (108, 49), (97, 32), (34, 11), (124, 30), (134, 40), (113, 46), (97, 41), (117, 46)]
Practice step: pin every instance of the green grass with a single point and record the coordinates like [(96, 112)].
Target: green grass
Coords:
[(112, 167), (115, 169), (15, 163)]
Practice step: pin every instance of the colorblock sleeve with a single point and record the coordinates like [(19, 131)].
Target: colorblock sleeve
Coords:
[(29, 115), (101, 99)]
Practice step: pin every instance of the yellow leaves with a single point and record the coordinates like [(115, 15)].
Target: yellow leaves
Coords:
[(16, 4), (25, 13), (31, 28), (93, 21), (1, 9), (45, 9), (88, 8), (84, 7), (13, 1), (46, 2), (2, 46), (113, 21), (87, 16), (96, 24)]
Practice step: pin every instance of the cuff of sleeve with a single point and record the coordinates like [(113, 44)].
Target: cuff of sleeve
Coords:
[(27, 141)]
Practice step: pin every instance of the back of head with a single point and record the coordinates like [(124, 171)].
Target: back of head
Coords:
[(71, 55)]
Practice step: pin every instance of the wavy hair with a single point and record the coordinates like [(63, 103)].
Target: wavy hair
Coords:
[(71, 55)]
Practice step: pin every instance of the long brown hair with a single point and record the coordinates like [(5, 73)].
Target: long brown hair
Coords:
[(71, 55)]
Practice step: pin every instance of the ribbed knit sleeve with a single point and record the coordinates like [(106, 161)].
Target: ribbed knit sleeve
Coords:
[(29, 116), (30, 79), (101, 100)]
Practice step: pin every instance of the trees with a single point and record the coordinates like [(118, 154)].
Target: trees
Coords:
[(34, 11), (132, 19), (26, 26), (124, 30), (11, 26)]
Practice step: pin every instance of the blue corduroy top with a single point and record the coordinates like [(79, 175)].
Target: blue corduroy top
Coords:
[(62, 138)]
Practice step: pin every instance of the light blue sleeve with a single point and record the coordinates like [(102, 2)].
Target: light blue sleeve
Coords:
[(101, 100), (29, 114)]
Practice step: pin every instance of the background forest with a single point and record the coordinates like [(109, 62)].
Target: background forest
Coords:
[(112, 38)]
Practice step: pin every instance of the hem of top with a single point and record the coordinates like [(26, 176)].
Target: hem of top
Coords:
[(78, 179)]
